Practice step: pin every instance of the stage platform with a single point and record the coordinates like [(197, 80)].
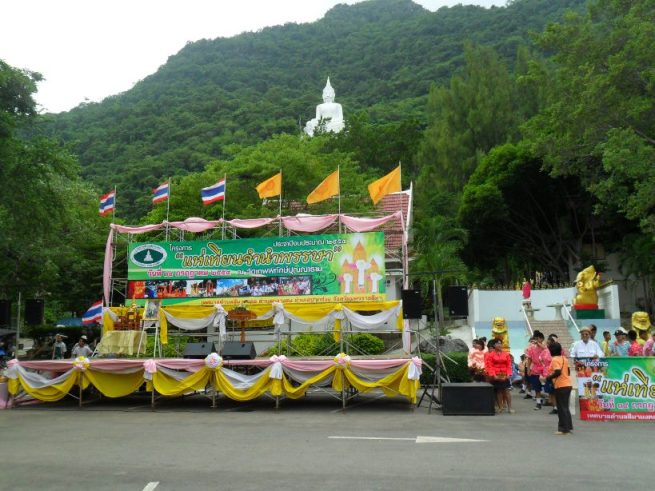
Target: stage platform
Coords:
[(240, 380)]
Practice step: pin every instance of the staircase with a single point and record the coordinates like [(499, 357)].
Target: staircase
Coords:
[(558, 328)]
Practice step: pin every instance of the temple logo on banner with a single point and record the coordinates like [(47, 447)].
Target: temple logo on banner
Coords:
[(148, 255)]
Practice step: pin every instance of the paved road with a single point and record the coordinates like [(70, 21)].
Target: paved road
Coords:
[(122, 445)]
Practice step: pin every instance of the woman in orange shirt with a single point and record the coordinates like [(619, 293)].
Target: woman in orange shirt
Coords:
[(560, 376)]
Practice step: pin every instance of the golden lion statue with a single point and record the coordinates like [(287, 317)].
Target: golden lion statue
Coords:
[(587, 282), (641, 324), (499, 330)]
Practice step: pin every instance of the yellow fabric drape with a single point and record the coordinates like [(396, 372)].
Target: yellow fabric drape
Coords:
[(107, 322), (163, 327), (115, 384), (297, 392), (395, 383), (185, 312), (47, 394), (259, 388), (168, 386)]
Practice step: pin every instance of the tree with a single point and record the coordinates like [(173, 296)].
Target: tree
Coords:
[(51, 240), (599, 123)]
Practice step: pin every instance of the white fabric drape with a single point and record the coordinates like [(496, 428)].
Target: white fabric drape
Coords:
[(375, 321), (241, 381), (219, 321), (190, 324), (35, 380)]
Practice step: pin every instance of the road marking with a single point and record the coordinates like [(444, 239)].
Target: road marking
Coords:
[(418, 439), (151, 485)]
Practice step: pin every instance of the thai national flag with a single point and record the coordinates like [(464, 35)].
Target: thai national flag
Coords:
[(160, 193), (94, 314), (213, 193), (107, 203)]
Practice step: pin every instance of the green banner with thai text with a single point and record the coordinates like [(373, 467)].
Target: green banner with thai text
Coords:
[(308, 269)]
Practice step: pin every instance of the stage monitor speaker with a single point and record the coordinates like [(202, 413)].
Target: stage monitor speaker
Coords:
[(198, 350), (34, 310), (474, 399), (412, 304), (457, 300), (234, 350), (5, 313)]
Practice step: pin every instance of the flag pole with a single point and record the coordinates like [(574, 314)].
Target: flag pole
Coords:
[(280, 213), (168, 207), (113, 210), (224, 202), (339, 195)]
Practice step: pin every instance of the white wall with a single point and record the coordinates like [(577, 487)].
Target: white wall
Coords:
[(487, 304)]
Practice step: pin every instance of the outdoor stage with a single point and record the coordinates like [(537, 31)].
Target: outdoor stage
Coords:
[(239, 380)]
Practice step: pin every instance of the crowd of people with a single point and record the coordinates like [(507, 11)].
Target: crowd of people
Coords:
[(544, 373)]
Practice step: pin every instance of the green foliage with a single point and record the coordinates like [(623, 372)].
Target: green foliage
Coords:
[(599, 122), (52, 239), (455, 366), (366, 344), (306, 344), (382, 57)]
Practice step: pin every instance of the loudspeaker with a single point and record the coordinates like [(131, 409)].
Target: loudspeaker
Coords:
[(234, 350), (457, 301), (198, 350), (34, 309), (475, 399), (5, 313), (412, 304)]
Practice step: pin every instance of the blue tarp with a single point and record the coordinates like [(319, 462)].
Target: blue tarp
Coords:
[(70, 322)]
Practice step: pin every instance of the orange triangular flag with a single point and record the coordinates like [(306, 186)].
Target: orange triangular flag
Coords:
[(270, 187), (328, 188), (385, 185)]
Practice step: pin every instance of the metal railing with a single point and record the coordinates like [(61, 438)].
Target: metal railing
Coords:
[(570, 317), (527, 321)]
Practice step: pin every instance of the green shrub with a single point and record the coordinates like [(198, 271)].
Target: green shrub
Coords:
[(457, 369), (306, 344), (366, 344)]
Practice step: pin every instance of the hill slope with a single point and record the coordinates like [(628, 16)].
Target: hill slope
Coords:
[(381, 55)]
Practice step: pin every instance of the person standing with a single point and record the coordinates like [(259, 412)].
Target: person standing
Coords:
[(498, 365), (81, 348), (635, 349), (620, 347), (560, 376), (538, 358), (586, 347), (649, 347), (59, 347), (605, 345)]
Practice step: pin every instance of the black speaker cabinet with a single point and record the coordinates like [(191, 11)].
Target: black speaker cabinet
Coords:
[(475, 399), (5, 313), (234, 350), (457, 300), (34, 310), (198, 350), (412, 304)]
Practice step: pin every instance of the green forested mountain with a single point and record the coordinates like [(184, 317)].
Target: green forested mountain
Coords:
[(382, 57)]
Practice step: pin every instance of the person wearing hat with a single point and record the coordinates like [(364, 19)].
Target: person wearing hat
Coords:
[(59, 347), (620, 347), (81, 348), (586, 347)]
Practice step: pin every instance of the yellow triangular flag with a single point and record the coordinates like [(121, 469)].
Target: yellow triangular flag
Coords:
[(270, 187), (385, 185), (328, 188)]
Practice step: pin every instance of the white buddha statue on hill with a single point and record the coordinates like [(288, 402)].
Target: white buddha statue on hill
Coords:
[(329, 113)]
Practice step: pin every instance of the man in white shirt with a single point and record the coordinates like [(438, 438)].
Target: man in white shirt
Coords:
[(586, 347), (81, 348), (59, 347)]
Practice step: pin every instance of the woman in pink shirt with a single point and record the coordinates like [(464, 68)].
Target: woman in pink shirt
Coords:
[(498, 366), (539, 359), (635, 348)]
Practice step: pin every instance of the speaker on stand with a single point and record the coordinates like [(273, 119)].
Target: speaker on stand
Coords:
[(5, 313), (457, 301), (34, 311), (412, 304)]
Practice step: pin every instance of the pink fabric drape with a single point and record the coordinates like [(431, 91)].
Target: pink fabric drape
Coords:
[(195, 224), (124, 229), (250, 222), (107, 267), (367, 224), (311, 223)]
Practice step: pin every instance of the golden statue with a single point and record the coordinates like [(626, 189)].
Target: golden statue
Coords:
[(641, 324), (500, 330), (587, 282)]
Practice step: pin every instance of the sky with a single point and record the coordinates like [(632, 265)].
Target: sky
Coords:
[(90, 49)]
